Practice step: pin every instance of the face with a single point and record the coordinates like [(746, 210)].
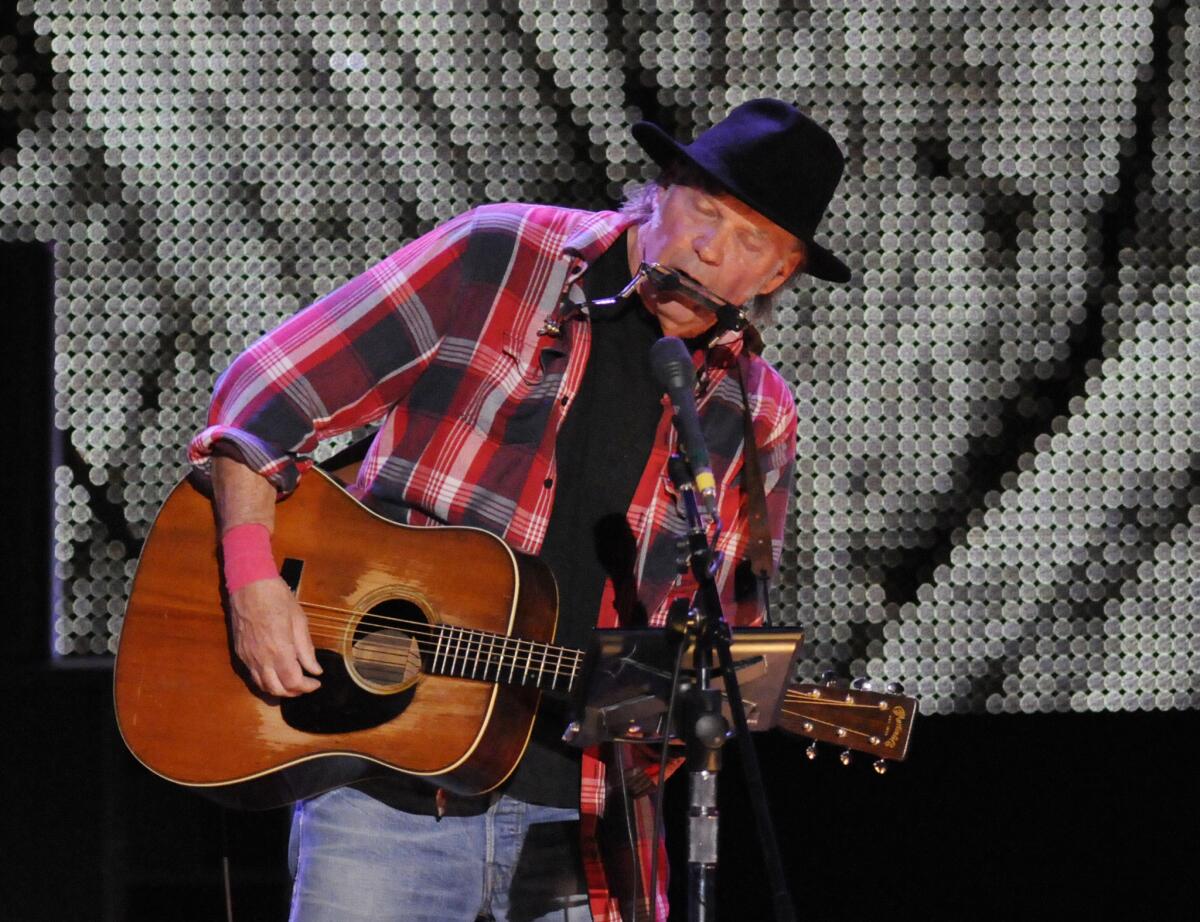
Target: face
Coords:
[(720, 242)]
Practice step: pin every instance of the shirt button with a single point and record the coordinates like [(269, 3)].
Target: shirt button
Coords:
[(564, 401), (548, 482)]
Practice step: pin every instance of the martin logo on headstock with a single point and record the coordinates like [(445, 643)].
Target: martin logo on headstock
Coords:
[(852, 715)]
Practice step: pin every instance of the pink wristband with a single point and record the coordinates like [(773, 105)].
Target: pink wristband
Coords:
[(246, 550)]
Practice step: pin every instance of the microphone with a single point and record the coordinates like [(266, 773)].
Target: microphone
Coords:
[(673, 368)]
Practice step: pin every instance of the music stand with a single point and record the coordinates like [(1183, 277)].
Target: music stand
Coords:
[(625, 695), (625, 682)]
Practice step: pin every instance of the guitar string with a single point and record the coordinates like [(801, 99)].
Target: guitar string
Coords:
[(515, 645), (459, 663), (463, 656), (336, 637), (462, 666), (374, 619), (520, 672), (829, 702), (464, 636), (470, 649), (826, 723), (515, 653), (460, 659)]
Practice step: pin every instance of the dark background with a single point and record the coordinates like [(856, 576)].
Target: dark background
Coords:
[(1001, 816)]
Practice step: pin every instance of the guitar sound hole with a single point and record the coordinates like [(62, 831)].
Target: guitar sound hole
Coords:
[(391, 644), (386, 651)]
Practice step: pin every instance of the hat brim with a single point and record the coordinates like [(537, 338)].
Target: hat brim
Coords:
[(665, 151)]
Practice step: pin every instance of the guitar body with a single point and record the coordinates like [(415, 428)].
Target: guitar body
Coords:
[(188, 711)]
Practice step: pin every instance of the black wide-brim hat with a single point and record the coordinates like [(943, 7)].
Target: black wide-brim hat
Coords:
[(772, 157)]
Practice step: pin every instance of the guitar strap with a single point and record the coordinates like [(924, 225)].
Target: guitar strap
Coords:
[(759, 546)]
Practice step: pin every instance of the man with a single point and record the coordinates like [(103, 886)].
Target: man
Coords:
[(508, 402)]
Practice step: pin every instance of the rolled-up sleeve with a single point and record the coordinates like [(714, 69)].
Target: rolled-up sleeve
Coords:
[(336, 365)]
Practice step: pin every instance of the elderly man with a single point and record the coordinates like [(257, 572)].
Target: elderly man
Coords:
[(508, 399)]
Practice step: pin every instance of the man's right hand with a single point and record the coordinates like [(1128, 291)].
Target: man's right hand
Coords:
[(270, 635)]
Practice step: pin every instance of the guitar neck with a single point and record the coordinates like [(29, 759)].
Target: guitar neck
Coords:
[(467, 653)]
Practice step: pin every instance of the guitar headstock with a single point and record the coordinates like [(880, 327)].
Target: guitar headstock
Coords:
[(853, 716)]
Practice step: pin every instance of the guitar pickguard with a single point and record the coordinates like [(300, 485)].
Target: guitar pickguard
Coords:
[(341, 705)]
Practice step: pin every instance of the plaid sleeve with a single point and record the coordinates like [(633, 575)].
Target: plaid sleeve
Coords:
[(336, 365)]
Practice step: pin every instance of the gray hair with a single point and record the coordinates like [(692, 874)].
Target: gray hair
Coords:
[(640, 200)]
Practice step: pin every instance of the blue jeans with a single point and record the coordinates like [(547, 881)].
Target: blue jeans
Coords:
[(354, 858)]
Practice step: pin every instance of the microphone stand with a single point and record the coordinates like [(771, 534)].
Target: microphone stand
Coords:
[(706, 729)]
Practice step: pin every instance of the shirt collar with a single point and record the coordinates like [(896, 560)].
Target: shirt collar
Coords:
[(596, 234)]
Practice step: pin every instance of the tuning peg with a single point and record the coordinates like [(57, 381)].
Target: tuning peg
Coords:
[(894, 688), (828, 677), (862, 684), (811, 750), (844, 758), (880, 766)]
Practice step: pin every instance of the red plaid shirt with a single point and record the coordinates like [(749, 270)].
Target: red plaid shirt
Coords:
[(443, 344)]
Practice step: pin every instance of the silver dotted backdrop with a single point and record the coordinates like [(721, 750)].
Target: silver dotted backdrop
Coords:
[(996, 497)]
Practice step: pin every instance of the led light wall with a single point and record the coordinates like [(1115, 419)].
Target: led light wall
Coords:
[(996, 500)]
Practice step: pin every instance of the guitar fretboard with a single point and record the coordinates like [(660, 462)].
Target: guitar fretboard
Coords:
[(471, 654)]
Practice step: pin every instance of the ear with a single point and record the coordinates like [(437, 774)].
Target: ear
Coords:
[(783, 272)]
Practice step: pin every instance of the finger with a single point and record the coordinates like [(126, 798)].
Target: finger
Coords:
[(271, 684), (302, 685), (294, 681), (304, 645)]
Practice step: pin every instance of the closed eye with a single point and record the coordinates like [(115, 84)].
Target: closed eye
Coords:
[(752, 243), (702, 204)]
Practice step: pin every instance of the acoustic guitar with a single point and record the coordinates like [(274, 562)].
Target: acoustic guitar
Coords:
[(435, 645)]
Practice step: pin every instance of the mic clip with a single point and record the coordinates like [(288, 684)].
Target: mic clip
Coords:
[(619, 298), (553, 325)]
